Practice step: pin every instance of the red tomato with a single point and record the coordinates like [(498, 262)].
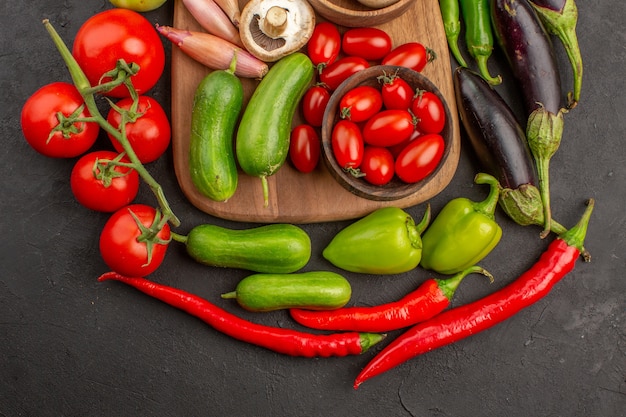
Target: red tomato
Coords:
[(324, 44), (43, 130), (347, 143), (340, 70), (117, 34), (148, 131), (397, 93), (304, 148), (388, 128), (367, 42), (360, 103), (377, 165), (396, 149), (420, 158), (122, 243), (412, 55), (429, 111), (101, 186), (314, 104)]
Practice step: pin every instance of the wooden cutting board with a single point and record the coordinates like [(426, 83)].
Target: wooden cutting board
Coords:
[(315, 197)]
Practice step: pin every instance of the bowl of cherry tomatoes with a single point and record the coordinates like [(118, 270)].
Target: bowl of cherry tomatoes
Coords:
[(386, 132), (358, 13)]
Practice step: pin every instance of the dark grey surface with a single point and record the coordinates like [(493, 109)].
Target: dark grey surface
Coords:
[(71, 346)]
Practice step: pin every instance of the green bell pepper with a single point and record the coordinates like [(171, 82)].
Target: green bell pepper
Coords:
[(463, 233), (386, 241)]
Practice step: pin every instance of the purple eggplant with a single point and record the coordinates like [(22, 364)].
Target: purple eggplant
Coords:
[(560, 18), (530, 54), (500, 145)]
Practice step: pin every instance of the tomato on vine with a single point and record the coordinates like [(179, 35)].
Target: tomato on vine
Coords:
[(119, 34), (134, 241), (56, 123), (148, 129), (100, 181)]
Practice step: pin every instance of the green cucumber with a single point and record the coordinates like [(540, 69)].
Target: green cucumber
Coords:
[(315, 290), (218, 102), (262, 142), (273, 248)]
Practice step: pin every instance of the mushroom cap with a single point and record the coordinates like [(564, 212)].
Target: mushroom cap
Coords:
[(272, 29)]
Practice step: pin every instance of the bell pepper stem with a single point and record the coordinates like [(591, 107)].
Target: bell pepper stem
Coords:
[(489, 204), (87, 92)]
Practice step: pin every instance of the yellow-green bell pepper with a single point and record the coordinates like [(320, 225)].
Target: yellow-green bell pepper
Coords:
[(463, 233)]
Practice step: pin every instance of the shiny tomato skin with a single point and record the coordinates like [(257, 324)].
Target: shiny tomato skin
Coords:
[(396, 149), (397, 93), (369, 43), (39, 117), (347, 144), (103, 195), (337, 72), (429, 111), (149, 135), (314, 104), (121, 250), (420, 158), (360, 103), (116, 34), (304, 148), (324, 45), (388, 128), (412, 55), (377, 165)]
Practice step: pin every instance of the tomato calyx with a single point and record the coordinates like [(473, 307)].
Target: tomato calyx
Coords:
[(149, 235), (104, 169), (70, 125), (119, 75), (355, 172)]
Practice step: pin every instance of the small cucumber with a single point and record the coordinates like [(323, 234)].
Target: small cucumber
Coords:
[(273, 248), (262, 142), (218, 101), (316, 290)]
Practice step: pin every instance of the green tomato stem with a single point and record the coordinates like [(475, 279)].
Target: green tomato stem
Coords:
[(87, 92)]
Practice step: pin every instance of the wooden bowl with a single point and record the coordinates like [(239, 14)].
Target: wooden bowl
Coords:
[(351, 13), (396, 189)]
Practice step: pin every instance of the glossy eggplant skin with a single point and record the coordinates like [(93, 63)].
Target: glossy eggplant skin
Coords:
[(495, 134), (529, 52)]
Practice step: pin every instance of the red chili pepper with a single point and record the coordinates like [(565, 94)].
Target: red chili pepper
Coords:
[(455, 324), (429, 299), (280, 340)]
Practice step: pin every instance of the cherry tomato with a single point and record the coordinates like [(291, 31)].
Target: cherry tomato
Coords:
[(396, 149), (304, 148), (412, 55), (397, 93), (420, 158), (117, 34), (149, 131), (324, 44), (122, 241), (370, 43), (340, 70), (46, 133), (101, 186), (347, 143), (388, 128), (360, 103), (314, 104), (138, 5), (377, 165), (429, 111)]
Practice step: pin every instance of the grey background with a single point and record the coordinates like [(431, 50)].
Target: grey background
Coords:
[(70, 346)]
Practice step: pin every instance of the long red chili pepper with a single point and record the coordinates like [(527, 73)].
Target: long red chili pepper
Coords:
[(429, 299), (286, 341), (455, 324)]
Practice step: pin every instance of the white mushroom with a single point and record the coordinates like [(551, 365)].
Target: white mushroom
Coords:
[(272, 29)]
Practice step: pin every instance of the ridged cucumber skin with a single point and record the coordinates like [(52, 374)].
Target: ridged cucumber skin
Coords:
[(273, 248), (262, 142), (314, 290), (218, 102)]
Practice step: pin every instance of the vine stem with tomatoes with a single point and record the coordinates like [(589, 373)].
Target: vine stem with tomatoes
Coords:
[(121, 75)]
